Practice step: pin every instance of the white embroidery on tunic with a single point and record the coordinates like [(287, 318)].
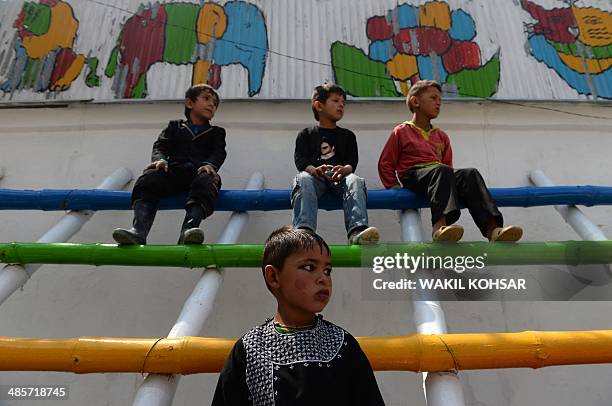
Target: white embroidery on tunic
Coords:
[(266, 350)]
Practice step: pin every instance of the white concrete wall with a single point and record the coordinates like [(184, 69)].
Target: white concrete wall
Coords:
[(77, 146)]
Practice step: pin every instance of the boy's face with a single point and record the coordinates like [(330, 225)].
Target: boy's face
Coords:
[(333, 108), (304, 284), (428, 102), (204, 106)]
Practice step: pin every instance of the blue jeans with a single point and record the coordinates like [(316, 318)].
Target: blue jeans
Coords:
[(307, 190)]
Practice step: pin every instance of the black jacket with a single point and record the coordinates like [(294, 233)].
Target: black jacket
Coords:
[(178, 145), (308, 148)]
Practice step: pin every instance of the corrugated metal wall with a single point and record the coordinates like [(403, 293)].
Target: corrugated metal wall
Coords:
[(113, 49)]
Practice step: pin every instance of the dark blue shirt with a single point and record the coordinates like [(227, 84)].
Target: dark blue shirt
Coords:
[(197, 129)]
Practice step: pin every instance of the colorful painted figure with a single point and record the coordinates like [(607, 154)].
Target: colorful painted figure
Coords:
[(411, 43), (576, 42), (206, 36), (44, 55)]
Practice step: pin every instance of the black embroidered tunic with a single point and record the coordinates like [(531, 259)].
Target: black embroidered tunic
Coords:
[(320, 366)]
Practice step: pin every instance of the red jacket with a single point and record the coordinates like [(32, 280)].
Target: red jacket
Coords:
[(408, 146)]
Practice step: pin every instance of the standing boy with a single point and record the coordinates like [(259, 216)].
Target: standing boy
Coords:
[(419, 155), (186, 158), (297, 358), (316, 175)]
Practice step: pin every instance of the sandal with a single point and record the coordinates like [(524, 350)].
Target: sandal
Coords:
[(448, 233), (507, 234)]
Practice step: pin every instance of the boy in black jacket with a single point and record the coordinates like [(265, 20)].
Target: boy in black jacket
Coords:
[(186, 157), (321, 170)]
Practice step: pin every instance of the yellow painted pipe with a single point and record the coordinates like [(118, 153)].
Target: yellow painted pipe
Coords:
[(417, 352)]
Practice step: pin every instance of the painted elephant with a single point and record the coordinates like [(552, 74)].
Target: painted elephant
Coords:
[(208, 36)]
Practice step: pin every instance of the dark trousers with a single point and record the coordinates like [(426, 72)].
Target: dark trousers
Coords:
[(448, 189), (154, 184)]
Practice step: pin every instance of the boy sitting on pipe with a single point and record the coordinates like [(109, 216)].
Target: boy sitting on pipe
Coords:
[(326, 158), (419, 156), (186, 157)]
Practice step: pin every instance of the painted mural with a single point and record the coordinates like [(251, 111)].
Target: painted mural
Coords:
[(207, 37), (44, 56), (410, 43), (575, 42), (500, 49)]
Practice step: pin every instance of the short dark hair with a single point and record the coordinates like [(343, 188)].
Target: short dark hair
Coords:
[(195, 91), (286, 241), (322, 92), (419, 87)]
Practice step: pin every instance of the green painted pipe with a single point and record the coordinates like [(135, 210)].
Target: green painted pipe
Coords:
[(249, 256)]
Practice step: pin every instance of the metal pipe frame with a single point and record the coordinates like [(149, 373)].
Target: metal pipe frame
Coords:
[(157, 389), (13, 277), (415, 352), (581, 224), (265, 200), (352, 256), (440, 388)]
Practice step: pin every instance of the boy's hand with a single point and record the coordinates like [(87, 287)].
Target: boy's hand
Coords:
[(311, 170), (207, 169), (161, 164), (324, 171), (340, 172), (318, 171)]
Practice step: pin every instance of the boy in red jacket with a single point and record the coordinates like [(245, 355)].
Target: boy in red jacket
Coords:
[(419, 155)]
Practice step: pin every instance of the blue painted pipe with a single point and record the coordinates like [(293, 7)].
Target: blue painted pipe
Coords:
[(258, 200)]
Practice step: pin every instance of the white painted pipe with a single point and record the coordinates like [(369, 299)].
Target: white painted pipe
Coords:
[(159, 390), (12, 277), (199, 305), (441, 388), (428, 314), (571, 214), (583, 227)]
